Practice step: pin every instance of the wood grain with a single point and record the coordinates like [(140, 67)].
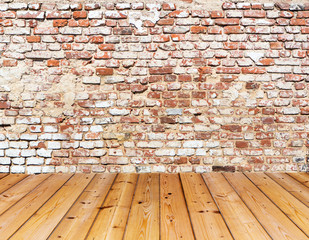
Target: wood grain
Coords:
[(175, 220), (291, 206), (294, 187), (241, 222), (77, 222), (18, 214), (10, 180), (144, 222), (48, 216), (205, 216), (301, 177), (19, 190), (276, 223), (112, 217)]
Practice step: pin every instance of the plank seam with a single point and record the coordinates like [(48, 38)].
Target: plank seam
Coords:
[(125, 229), (276, 204), (25, 195), (14, 183), (101, 206), (247, 206), (286, 189), (41, 206), (184, 196), (70, 207), (217, 206)]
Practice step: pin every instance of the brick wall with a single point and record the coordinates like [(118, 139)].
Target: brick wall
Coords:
[(153, 87)]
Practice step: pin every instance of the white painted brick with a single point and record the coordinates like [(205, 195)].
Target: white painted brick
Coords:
[(5, 161), (35, 161), (18, 161), (4, 169), (4, 145), (186, 152), (34, 169), (48, 169), (28, 152), (18, 169), (291, 111), (44, 153), (53, 145), (12, 152), (18, 144), (151, 144), (115, 152), (95, 14), (193, 144), (29, 137), (165, 152)]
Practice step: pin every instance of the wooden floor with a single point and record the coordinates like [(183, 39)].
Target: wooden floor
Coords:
[(155, 206)]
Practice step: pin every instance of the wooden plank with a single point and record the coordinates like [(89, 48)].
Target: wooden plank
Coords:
[(290, 205), (112, 217), (19, 190), (175, 220), (294, 187), (276, 223), (205, 216), (144, 222), (301, 177), (10, 180), (40, 225), (2, 175), (241, 222), (18, 214), (77, 222)]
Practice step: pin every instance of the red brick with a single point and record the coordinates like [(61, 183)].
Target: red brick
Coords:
[(83, 23), (105, 71), (138, 88), (60, 22), (276, 45), (253, 70), (5, 105), (305, 30), (80, 14), (97, 39), (53, 63), (242, 144), (267, 61), (303, 14), (230, 45), (122, 31), (232, 128), (9, 63), (159, 71), (198, 29), (179, 13), (32, 39), (298, 22), (252, 85), (233, 29), (268, 120), (167, 21), (216, 14), (168, 6)]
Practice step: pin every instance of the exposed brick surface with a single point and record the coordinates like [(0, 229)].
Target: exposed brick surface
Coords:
[(119, 86)]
